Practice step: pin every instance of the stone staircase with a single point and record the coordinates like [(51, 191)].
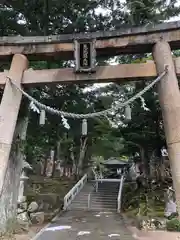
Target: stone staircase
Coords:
[(104, 199)]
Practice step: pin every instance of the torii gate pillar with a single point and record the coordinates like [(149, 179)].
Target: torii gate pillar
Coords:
[(169, 97), (9, 109)]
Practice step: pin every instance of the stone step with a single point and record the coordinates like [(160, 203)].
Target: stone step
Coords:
[(86, 190), (96, 202), (95, 208), (97, 196), (104, 194), (94, 199), (100, 198), (79, 206), (107, 192), (107, 186), (100, 192), (108, 189), (104, 199), (85, 196), (102, 206)]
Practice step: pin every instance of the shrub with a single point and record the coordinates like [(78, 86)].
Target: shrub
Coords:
[(173, 225)]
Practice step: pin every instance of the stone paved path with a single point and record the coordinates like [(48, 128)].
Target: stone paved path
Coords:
[(86, 225)]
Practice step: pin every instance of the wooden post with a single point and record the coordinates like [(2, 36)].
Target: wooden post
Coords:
[(169, 97), (9, 110)]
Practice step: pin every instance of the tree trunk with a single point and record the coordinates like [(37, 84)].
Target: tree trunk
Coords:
[(9, 194), (144, 158), (169, 97), (162, 169), (54, 163), (45, 163), (58, 150), (74, 165), (82, 153)]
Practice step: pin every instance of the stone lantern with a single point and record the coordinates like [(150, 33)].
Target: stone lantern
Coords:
[(23, 179)]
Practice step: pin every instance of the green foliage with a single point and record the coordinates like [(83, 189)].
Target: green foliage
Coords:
[(173, 225), (97, 163), (143, 202)]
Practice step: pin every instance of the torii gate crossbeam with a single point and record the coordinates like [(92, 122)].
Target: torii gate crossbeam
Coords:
[(108, 43)]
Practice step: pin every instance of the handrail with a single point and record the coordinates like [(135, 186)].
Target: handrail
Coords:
[(89, 200), (74, 191), (120, 194), (89, 197), (98, 178)]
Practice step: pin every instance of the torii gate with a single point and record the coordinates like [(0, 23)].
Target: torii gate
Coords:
[(159, 39)]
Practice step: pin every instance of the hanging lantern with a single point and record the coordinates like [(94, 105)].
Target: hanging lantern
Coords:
[(128, 113), (42, 118), (84, 127)]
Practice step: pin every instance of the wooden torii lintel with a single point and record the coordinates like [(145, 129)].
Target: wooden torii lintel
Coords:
[(119, 73), (108, 43)]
